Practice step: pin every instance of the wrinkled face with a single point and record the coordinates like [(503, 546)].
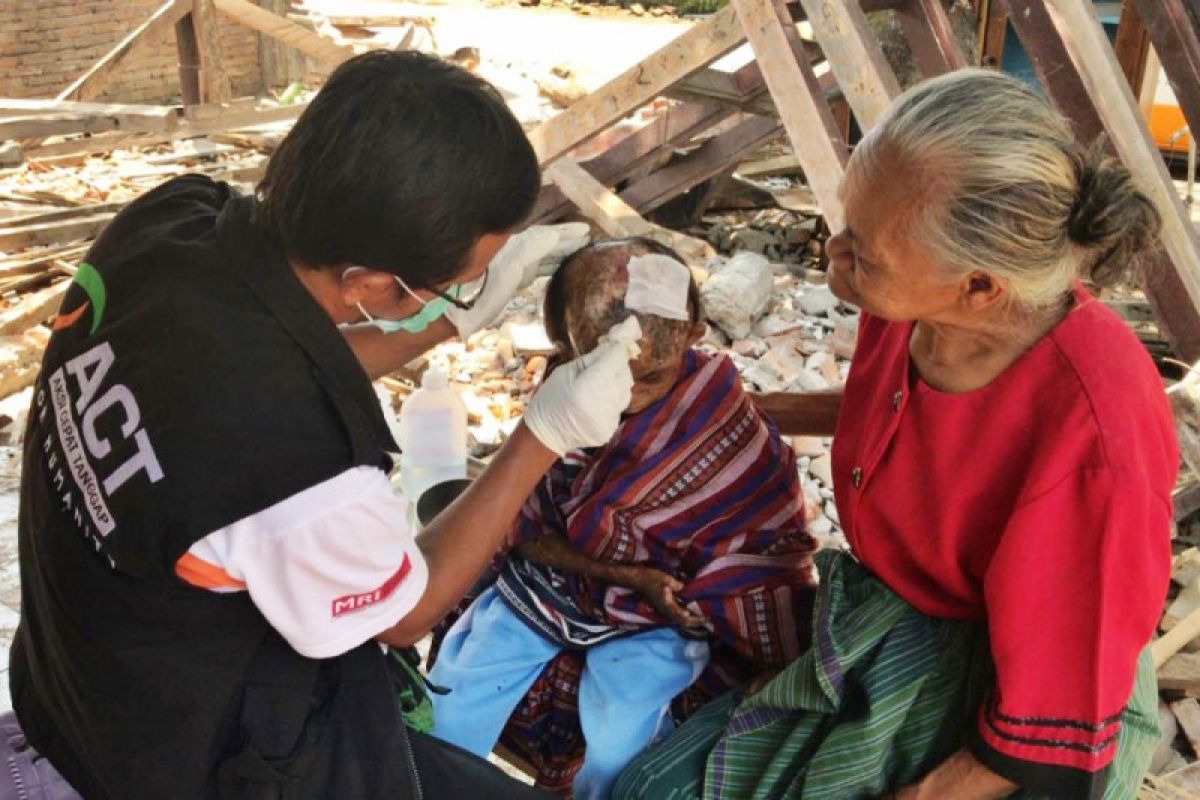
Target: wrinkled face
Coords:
[(877, 262)]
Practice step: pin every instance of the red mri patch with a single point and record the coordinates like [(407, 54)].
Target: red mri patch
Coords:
[(357, 602)]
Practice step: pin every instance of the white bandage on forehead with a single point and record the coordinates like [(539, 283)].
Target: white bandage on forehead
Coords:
[(658, 285)]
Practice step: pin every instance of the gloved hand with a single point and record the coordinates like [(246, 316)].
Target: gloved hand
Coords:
[(580, 403), (505, 277)]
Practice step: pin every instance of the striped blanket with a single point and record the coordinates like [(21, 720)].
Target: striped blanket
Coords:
[(698, 485), (884, 694)]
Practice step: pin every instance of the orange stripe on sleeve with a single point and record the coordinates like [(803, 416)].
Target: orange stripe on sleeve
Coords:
[(199, 572)]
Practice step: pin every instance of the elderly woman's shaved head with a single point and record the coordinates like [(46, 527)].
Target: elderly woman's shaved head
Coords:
[(586, 297)]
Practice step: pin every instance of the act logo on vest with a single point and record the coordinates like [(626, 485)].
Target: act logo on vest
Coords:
[(78, 396)]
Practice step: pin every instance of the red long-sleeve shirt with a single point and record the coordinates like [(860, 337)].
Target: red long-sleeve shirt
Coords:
[(1040, 503)]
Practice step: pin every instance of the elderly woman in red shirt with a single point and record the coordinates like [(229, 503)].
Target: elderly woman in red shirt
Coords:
[(1003, 468)]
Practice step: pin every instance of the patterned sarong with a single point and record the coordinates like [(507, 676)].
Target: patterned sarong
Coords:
[(884, 695), (700, 486)]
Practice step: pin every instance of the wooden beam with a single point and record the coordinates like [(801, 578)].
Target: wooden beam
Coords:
[(854, 56), (1096, 65), (678, 124), (802, 108), (1132, 46), (613, 215), (283, 30), (802, 413), (715, 156), (214, 80), (92, 83), (280, 65), (692, 50), (993, 30), (187, 49), (16, 237), (230, 119), (33, 309), (21, 360), (931, 37), (1176, 37), (39, 126)]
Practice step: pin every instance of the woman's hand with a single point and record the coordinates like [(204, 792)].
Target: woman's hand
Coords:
[(660, 590)]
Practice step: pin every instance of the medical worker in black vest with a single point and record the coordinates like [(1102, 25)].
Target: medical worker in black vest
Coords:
[(210, 551)]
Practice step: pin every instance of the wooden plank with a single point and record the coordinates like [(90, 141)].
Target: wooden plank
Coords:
[(187, 48), (91, 83), (1094, 61), (21, 360), (612, 214), (692, 50), (1053, 66), (854, 56), (715, 156), (214, 80), (1187, 711), (1132, 46), (280, 65), (931, 37), (283, 30), (1171, 642), (17, 237), (1176, 38), (802, 108), (713, 85), (33, 309), (40, 126), (185, 129), (992, 32), (19, 107), (630, 154), (801, 413)]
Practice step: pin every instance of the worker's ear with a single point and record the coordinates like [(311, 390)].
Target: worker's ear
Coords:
[(359, 285), (697, 333)]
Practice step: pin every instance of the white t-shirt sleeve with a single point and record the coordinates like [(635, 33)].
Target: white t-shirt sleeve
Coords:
[(330, 567)]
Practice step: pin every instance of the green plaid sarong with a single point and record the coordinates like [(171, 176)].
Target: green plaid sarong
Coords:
[(884, 694)]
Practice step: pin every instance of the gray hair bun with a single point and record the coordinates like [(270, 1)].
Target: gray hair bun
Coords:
[(1111, 218)]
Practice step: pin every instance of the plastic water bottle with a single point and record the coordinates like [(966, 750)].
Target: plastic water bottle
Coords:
[(433, 436)]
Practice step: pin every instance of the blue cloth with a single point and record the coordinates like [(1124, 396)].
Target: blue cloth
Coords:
[(490, 658)]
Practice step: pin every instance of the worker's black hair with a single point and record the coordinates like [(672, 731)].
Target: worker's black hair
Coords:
[(400, 163)]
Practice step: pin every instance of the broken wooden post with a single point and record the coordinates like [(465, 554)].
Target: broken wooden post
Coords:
[(199, 41), (802, 108)]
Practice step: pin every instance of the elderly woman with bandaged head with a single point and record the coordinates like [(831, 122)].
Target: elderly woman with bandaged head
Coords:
[(647, 575), (1003, 467)]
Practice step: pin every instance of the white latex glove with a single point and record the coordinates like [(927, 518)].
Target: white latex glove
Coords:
[(505, 276), (580, 404)]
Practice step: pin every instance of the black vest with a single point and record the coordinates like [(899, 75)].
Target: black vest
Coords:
[(192, 381)]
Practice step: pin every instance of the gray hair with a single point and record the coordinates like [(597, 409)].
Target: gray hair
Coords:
[(1010, 190)]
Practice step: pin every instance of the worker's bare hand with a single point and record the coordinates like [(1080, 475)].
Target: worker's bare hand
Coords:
[(661, 591)]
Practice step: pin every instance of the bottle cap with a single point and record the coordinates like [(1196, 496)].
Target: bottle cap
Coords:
[(435, 378)]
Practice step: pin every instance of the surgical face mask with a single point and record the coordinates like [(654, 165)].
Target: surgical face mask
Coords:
[(431, 311)]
